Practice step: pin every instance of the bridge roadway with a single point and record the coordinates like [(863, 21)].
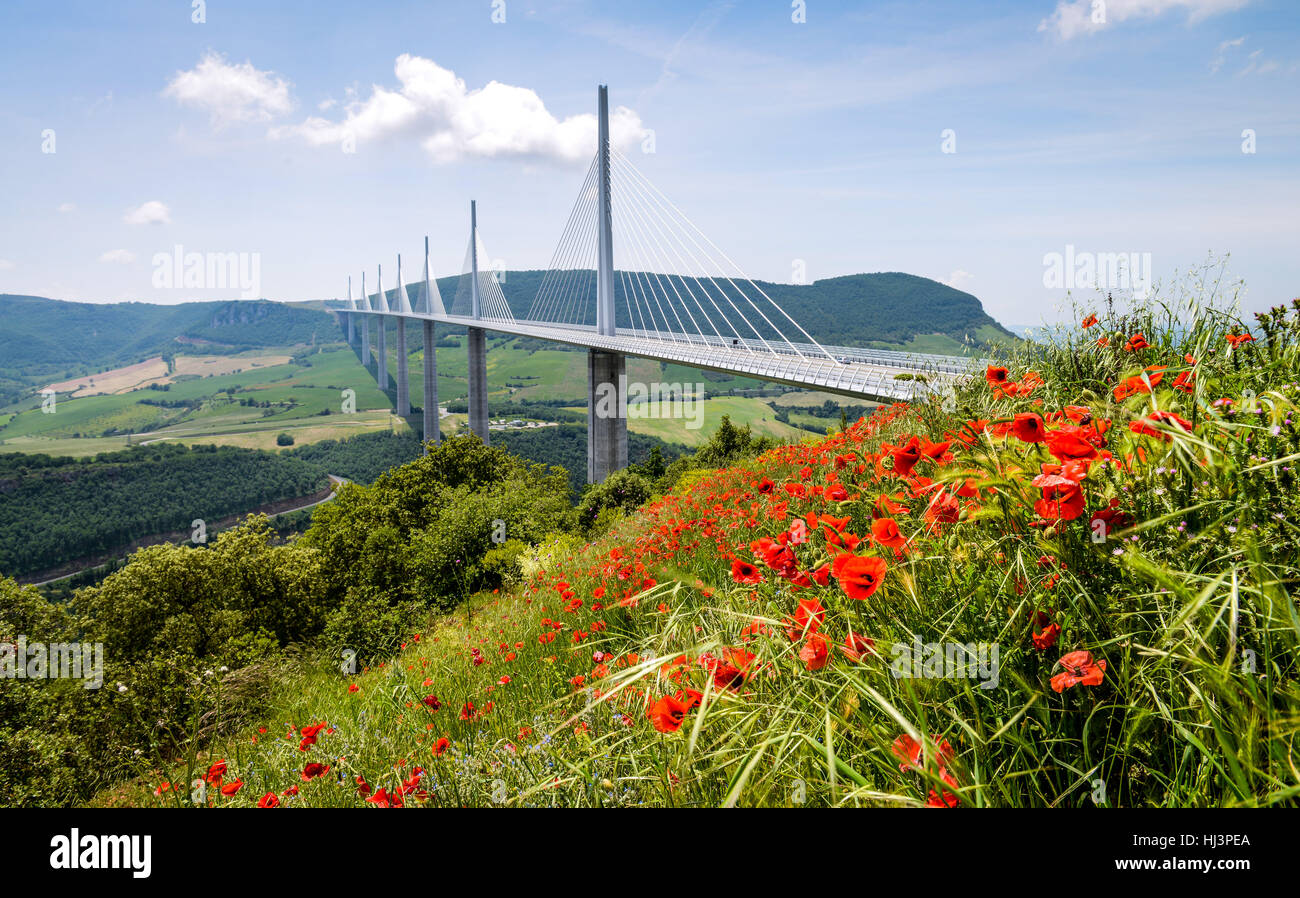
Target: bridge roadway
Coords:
[(847, 371)]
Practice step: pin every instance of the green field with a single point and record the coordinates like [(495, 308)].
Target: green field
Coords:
[(304, 398)]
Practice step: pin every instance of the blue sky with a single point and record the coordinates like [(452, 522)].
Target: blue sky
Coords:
[(819, 141)]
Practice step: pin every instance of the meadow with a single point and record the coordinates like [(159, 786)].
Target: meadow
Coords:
[(1070, 586)]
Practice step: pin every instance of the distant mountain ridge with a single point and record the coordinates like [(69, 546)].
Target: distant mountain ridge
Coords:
[(42, 340)]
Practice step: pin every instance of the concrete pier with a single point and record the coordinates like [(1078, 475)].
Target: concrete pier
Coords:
[(606, 414), (403, 381), (478, 386), (431, 431)]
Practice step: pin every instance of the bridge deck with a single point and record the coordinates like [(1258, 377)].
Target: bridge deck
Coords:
[(846, 371)]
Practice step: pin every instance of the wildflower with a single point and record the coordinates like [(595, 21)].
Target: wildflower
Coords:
[(859, 576), (856, 647), (269, 800), (1089, 321), (1046, 637), (1145, 426), (1028, 428), (667, 714), (1136, 342), (1079, 669), (911, 752), (744, 572), (808, 618), (885, 531), (815, 652), (313, 771)]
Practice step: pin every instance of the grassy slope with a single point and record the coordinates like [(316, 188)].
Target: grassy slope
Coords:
[(570, 661)]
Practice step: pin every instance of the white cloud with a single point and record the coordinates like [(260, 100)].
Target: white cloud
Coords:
[(67, 207), (118, 256), (152, 212), (1221, 54), (1072, 18), (450, 121), (6, 265), (960, 280), (231, 93)]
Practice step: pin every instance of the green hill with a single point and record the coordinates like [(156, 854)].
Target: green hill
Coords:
[(42, 340)]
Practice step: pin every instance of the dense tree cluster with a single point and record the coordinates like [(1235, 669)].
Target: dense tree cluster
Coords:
[(54, 510)]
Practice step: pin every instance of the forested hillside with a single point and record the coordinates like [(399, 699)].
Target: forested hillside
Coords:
[(58, 509), (43, 340), (54, 509), (363, 458), (853, 310)]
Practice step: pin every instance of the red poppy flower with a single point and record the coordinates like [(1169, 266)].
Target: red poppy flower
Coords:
[(1028, 428), (732, 669), (230, 789), (906, 457), (1063, 500), (441, 745), (815, 652), (885, 531), (744, 572), (269, 800), (808, 618), (856, 647), (1089, 321), (1079, 669), (859, 576), (1069, 443), (313, 771), (1145, 426), (667, 714), (995, 376), (1136, 342), (1046, 638), (910, 752)]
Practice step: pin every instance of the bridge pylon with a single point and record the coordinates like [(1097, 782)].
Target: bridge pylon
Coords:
[(381, 344), (403, 375), (606, 371), (477, 342), (365, 325), (431, 433)]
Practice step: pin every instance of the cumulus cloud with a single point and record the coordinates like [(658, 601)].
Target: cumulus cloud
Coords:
[(231, 93), (152, 212), (1073, 18), (118, 256), (67, 207), (431, 105)]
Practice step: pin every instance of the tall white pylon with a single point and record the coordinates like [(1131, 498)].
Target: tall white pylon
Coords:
[(432, 297)]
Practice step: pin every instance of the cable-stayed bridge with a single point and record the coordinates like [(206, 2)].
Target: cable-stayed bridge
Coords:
[(674, 296)]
